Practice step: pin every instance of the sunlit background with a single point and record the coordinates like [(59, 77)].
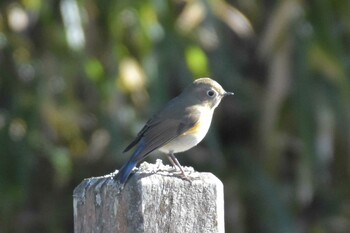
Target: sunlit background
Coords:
[(78, 79)]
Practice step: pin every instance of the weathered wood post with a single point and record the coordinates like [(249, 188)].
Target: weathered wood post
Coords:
[(150, 202)]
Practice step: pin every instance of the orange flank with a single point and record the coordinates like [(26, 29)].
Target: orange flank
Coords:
[(194, 129)]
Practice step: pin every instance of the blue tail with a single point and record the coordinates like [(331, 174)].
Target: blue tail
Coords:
[(126, 169)]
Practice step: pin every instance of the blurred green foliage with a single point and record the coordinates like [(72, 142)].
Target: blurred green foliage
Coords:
[(78, 79)]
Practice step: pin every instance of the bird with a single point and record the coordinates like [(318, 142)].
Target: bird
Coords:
[(179, 126)]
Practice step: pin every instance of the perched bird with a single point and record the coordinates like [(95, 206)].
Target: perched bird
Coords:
[(179, 126)]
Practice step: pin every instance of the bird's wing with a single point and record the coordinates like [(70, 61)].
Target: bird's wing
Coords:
[(138, 138), (163, 131), (163, 128)]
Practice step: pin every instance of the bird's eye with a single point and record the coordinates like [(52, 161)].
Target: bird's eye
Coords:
[(210, 93)]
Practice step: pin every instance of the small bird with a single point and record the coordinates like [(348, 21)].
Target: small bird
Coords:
[(179, 126)]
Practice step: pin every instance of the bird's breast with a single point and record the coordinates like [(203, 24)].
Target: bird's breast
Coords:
[(191, 137)]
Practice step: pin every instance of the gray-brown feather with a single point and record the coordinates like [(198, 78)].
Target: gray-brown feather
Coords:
[(164, 127)]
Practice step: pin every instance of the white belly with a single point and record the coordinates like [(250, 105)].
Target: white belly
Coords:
[(188, 140)]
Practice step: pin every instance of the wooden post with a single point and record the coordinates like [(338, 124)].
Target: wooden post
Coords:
[(153, 200)]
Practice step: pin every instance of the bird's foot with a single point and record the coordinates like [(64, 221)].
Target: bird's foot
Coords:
[(175, 169)]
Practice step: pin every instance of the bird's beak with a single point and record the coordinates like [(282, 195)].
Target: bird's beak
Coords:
[(228, 93)]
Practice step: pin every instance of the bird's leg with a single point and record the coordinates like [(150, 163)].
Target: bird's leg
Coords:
[(175, 162), (172, 161)]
